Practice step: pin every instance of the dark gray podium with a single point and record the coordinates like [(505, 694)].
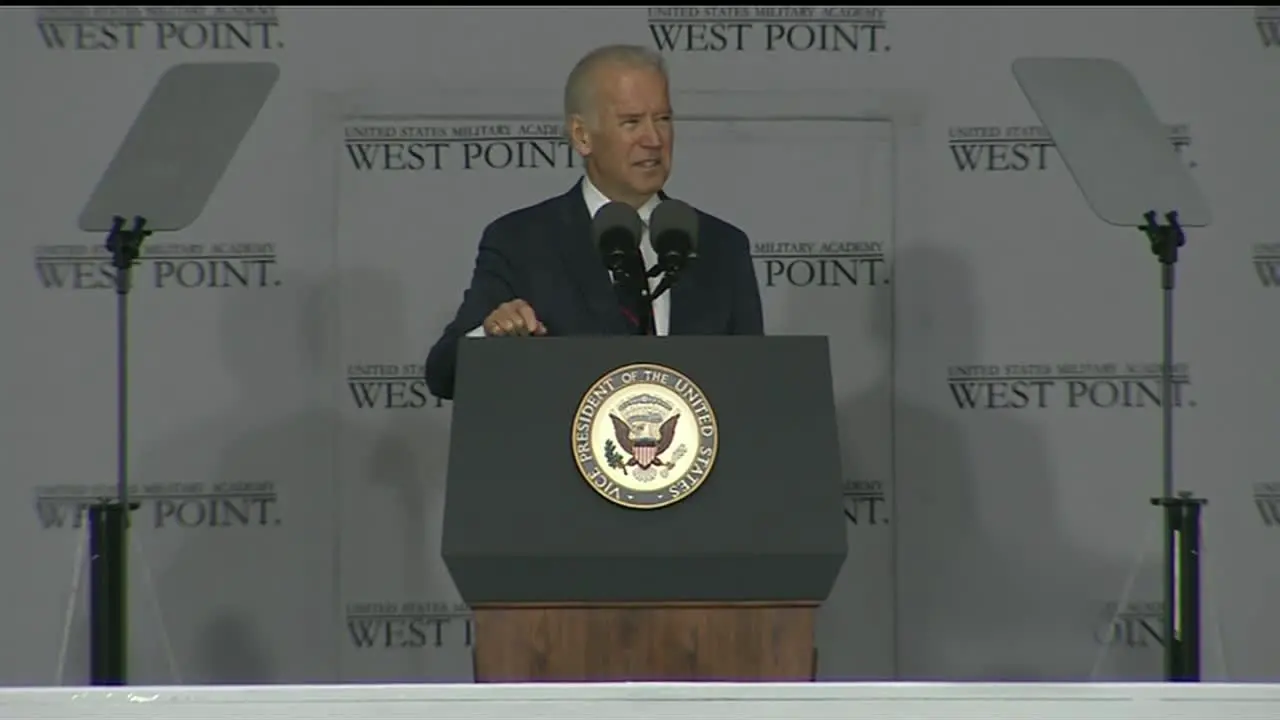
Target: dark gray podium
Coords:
[(566, 586)]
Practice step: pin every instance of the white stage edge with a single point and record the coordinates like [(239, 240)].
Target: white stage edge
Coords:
[(653, 701)]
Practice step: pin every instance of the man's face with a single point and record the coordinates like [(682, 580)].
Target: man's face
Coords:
[(628, 142)]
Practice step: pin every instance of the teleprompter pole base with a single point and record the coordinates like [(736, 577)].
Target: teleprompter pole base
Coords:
[(1182, 589)]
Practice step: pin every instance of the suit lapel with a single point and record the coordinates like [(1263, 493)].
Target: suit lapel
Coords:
[(686, 302), (584, 263)]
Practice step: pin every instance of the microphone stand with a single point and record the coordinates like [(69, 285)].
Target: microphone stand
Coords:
[(668, 280), (670, 267), (631, 277), (669, 274), (630, 273), (647, 297)]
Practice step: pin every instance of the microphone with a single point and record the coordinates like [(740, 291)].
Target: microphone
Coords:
[(616, 230), (673, 233)]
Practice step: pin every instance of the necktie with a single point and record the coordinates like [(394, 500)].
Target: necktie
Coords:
[(632, 309), (632, 304)]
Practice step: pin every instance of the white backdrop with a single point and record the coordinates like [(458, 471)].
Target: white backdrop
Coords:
[(291, 467)]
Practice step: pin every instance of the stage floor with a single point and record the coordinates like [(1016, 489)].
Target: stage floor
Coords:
[(651, 701)]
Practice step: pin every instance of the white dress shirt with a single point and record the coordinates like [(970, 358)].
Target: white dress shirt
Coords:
[(596, 200)]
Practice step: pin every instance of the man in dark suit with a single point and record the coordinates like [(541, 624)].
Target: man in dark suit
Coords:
[(537, 271)]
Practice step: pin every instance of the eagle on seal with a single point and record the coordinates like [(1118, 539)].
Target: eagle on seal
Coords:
[(644, 449)]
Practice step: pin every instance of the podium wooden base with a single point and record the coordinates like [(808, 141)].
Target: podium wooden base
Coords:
[(750, 642)]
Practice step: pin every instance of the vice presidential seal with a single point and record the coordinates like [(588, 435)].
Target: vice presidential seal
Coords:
[(645, 436)]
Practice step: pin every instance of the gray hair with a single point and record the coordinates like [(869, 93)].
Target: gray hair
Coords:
[(579, 90)]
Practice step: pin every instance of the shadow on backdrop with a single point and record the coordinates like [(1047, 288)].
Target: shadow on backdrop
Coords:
[(989, 586), (393, 486), (243, 555)]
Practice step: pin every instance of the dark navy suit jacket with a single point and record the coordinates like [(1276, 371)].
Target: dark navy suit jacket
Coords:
[(544, 255)]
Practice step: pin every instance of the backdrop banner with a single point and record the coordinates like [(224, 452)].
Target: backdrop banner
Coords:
[(995, 347)]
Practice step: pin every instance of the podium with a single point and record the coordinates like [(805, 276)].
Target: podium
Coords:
[(582, 562)]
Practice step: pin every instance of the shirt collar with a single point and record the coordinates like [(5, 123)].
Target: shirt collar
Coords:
[(596, 200)]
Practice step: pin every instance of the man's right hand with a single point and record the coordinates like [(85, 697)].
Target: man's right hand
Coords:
[(513, 318)]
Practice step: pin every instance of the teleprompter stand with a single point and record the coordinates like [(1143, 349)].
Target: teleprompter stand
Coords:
[(1181, 511), (166, 178), (1182, 587), (109, 517), (108, 650), (1120, 156)]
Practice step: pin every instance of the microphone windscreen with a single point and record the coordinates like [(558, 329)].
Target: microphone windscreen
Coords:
[(673, 227), (616, 228)]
